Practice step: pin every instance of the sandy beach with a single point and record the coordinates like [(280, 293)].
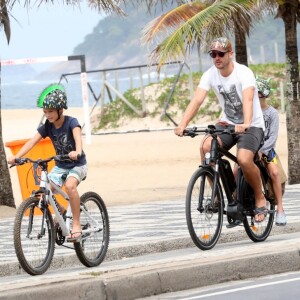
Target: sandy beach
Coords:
[(129, 167)]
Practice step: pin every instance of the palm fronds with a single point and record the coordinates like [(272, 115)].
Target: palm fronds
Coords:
[(177, 31)]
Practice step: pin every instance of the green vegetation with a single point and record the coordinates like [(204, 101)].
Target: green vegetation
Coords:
[(114, 113)]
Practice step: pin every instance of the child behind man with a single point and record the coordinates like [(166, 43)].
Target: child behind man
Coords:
[(268, 149)]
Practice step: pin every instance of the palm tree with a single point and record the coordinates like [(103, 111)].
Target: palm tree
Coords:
[(289, 11), (197, 22), (6, 7)]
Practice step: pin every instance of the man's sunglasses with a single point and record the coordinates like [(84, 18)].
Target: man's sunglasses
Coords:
[(214, 54)]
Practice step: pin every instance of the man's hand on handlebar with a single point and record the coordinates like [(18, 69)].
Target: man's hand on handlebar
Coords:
[(179, 130), (241, 128)]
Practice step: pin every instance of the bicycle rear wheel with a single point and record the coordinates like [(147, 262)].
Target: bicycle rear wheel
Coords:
[(257, 232), (34, 242), (92, 248), (204, 216)]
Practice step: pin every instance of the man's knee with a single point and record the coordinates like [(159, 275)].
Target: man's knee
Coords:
[(205, 148), (206, 145), (245, 158)]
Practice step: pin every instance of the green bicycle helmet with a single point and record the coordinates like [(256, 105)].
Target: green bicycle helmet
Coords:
[(53, 96), (263, 87)]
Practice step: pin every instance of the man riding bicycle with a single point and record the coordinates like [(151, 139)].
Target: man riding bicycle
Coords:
[(235, 87)]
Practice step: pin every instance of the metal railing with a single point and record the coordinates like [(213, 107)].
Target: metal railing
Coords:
[(108, 89)]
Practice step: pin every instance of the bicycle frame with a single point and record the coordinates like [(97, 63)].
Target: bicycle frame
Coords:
[(46, 186), (216, 164)]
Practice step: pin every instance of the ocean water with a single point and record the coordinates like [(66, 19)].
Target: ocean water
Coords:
[(24, 94)]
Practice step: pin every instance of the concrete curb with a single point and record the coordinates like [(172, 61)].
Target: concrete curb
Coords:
[(176, 278), (141, 282)]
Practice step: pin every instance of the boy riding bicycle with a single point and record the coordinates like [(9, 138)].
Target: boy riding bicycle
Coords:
[(65, 134), (267, 151)]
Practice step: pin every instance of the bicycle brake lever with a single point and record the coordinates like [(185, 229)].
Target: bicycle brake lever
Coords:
[(230, 129), (189, 132)]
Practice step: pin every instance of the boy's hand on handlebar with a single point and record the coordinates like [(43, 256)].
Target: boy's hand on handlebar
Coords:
[(11, 160), (74, 155)]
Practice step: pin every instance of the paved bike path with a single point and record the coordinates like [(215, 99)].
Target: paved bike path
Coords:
[(143, 228)]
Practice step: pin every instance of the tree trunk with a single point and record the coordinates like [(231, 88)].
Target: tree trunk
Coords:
[(292, 92), (240, 47), (6, 193)]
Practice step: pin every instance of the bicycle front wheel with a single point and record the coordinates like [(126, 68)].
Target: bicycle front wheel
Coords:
[(34, 238), (92, 248), (257, 232), (204, 215)]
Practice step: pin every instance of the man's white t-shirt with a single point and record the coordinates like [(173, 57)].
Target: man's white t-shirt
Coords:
[(229, 93)]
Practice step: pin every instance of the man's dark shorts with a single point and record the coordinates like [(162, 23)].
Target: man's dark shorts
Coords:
[(250, 140)]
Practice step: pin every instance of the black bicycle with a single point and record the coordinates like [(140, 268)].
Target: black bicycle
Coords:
[(214, 192)]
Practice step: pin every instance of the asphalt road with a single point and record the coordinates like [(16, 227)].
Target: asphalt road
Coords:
[(273, 287)]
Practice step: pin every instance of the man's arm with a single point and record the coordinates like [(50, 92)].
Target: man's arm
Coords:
[(248, 95), (191, 110)]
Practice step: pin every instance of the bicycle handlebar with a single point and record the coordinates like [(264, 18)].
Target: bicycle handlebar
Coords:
[(24, 160), (211, 129)]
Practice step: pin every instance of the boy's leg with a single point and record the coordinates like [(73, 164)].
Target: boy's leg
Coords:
[(56, 178), (274, 174), (276, 182), (71, 189), (75, 176)]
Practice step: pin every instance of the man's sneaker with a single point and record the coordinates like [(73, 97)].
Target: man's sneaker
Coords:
[(280, 219)]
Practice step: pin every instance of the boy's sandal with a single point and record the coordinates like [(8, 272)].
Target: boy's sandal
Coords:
[(260, 211), (75, 239)]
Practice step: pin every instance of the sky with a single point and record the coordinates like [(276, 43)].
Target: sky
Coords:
[(49, 30)]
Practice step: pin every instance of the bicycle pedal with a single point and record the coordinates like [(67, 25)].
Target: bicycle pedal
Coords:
[(234, 224)]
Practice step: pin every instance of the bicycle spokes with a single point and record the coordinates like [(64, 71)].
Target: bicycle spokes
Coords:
[(34, 237), (204, 215)]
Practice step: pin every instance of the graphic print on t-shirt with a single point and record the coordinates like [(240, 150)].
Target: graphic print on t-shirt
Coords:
[(267, 119), (233, 106), (62, 144)]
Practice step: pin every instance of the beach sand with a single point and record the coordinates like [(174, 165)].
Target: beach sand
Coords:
[(127, 168)]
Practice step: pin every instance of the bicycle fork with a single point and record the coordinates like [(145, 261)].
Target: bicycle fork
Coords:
[(215, 182), (209, 204), (29, 228)]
